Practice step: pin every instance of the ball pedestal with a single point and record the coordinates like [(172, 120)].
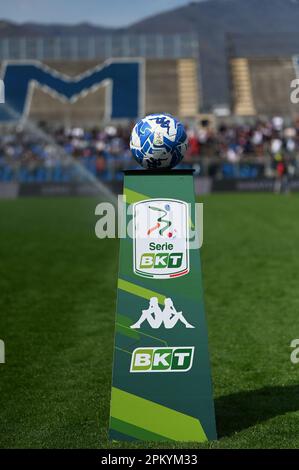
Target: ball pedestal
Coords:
[(161, 386)]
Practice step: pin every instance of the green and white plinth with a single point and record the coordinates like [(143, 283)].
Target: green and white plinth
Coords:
[(161, 386)]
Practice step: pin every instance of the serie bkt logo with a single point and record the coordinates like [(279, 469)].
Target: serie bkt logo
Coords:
[(161, 238)]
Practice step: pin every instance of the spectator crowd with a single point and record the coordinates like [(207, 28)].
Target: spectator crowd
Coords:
[(263, 148)]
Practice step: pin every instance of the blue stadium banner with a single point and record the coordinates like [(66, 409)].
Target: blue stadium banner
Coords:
[(124, 75), (161, 387)]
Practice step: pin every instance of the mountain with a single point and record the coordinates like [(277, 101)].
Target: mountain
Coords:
[(218, 16), (207, 18), (261, 21), (12, 29)]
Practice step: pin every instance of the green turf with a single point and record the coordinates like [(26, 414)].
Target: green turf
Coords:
[(58, 283)]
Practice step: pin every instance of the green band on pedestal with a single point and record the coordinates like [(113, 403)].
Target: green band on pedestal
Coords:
[(148, 416)]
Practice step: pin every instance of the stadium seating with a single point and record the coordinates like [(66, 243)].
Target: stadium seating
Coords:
[(188, 94), (241, 88), (270, 79), (261, 86)]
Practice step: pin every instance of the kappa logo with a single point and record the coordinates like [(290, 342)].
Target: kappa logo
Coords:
[(169, 359), (161, 247), (156, 317), (163, 122)]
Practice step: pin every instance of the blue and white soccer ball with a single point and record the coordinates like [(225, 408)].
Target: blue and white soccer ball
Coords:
[(158, 141)]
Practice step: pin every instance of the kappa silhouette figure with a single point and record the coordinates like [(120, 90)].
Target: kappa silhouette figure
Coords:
[(155, 317)]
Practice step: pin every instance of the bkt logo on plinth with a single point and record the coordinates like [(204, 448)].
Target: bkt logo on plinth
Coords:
[(162, 359)]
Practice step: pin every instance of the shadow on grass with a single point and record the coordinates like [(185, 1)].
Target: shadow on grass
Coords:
[(239, 411)]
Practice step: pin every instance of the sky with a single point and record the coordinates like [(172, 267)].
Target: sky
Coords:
[(100, 12)]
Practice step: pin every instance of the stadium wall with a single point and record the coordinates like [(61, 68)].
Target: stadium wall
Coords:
[(261, 86), (165, 86)]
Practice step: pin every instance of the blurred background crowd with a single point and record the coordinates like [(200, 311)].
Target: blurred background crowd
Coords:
[(226, 150)]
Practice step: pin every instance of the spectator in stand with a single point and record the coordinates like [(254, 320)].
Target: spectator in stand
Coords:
[(194, 145)]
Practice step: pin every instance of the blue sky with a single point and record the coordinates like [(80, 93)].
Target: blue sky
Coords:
[(102, 12)]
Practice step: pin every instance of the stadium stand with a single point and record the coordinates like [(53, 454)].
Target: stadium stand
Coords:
[(259, 139), (271, 80), (262, 86), (165, 85), (261, 70)]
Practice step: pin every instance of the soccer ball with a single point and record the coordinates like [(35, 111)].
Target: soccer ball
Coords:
[(158, 141)]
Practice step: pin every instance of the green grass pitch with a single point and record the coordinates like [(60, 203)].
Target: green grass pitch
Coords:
[(58, 285)]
